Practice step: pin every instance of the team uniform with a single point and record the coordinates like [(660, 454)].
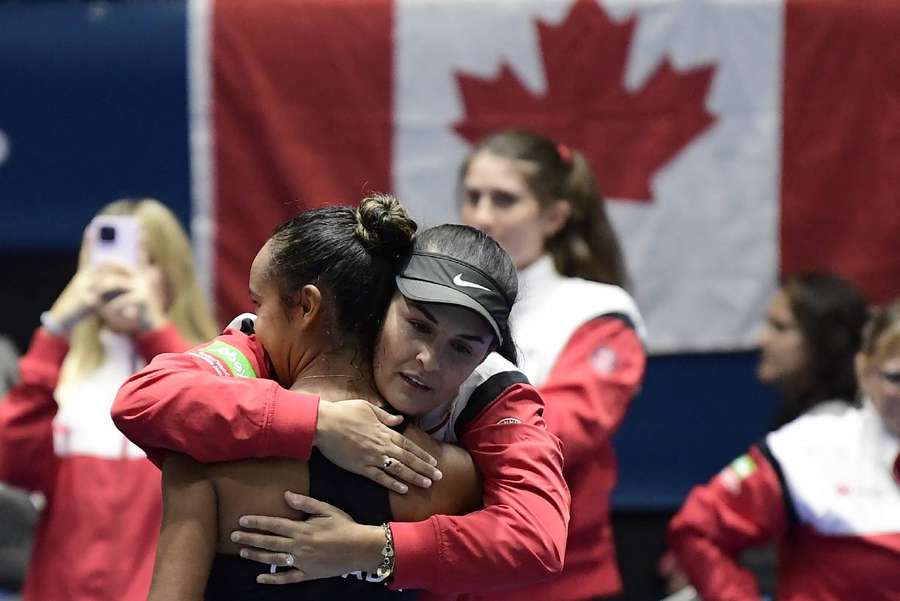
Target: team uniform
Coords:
[(97, 536), (191, 403), (822, 487), (580, 345)]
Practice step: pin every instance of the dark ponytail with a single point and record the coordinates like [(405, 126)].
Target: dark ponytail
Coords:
[(351, 254)]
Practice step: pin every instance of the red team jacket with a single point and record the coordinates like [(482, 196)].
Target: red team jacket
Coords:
[(581, 346), (190, 403), (822, 488), (97, 536)]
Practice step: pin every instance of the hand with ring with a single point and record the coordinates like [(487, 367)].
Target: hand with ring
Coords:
[(355, 435), (326, 544), (288, 562)]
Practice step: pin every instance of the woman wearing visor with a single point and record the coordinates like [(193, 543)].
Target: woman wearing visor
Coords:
[(179, 404)]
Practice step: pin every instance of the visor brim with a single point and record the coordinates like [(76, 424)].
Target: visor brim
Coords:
[(429, 292)]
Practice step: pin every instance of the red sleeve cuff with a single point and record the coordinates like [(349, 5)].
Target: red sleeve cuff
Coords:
[(48, 347), (292, 424), (417, 554), (165, 339)]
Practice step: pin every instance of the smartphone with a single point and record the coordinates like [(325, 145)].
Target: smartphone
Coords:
[(115, 238)]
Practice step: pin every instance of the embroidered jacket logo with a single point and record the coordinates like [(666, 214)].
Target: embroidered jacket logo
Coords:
[(459, 281)]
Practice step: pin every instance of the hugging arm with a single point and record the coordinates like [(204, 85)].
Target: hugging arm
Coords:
[(214, 403), (217, 403), (519, 537), (329, 543), (187, 540)]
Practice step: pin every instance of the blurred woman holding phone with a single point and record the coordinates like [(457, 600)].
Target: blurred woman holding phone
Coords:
[(133, 296)]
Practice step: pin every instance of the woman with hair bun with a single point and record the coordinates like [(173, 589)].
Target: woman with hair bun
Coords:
[(579, 332)]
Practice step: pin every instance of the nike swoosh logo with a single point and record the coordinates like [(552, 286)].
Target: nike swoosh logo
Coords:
[(459, 281)]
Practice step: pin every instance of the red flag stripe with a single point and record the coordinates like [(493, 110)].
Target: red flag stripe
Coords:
[(302, 105), (841, 147)]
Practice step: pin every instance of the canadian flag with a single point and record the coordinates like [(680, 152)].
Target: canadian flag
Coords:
[(734, 141)]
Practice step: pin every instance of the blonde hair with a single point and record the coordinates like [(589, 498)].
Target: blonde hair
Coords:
[(881, 336), (168, 247)]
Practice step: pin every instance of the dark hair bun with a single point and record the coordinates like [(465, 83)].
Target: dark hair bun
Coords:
[(384, 226)]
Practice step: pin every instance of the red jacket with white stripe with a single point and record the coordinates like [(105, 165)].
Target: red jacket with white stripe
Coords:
[(187, 403), (822, 488), (581, 346), (96, 540)]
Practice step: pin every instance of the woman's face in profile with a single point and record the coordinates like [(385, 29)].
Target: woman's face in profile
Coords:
[(425, 351), (783, 360), (272, 326)]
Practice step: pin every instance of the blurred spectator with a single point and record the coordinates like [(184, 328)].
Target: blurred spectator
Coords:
[(97, 535), (577, 329), (18, 511), (825, 488), (811, 336), (9, 358), (812, 333)]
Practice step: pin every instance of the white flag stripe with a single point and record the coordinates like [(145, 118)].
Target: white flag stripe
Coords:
[(703, 255), (202, 142)]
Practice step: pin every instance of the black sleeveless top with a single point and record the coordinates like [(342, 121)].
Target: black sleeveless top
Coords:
[(233, 578)]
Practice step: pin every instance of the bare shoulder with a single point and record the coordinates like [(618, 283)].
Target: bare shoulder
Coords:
[(457, 493), (179, 470)]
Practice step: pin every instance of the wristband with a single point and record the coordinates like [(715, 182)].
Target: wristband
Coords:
[(54, 326), (386, 569)]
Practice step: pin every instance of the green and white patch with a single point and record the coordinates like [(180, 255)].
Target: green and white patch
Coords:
[(743, 466), (234, 359)]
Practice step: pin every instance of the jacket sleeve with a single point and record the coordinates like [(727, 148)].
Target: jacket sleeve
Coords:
[(742, 507), (519, 537), (209, 404), (593, 381), (166, 339), (27, 458)]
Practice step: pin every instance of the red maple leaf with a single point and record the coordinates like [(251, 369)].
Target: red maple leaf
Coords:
[(626, 136)]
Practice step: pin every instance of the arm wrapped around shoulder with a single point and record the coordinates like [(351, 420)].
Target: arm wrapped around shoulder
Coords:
[(519, 537)]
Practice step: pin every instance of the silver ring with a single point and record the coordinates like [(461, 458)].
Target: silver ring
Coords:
[(290, 560), (387, 463)]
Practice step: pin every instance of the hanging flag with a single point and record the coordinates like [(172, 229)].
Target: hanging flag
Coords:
[(733, 141)]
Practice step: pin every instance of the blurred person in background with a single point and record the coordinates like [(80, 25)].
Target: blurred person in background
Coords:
[(812, 333), (9, 360), (18, 509), (97, 535), (825, 488), (579, 332)]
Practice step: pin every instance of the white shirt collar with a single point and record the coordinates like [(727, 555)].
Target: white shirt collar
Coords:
[(538, 274)]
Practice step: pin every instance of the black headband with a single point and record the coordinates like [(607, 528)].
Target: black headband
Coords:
[(436, 278)]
